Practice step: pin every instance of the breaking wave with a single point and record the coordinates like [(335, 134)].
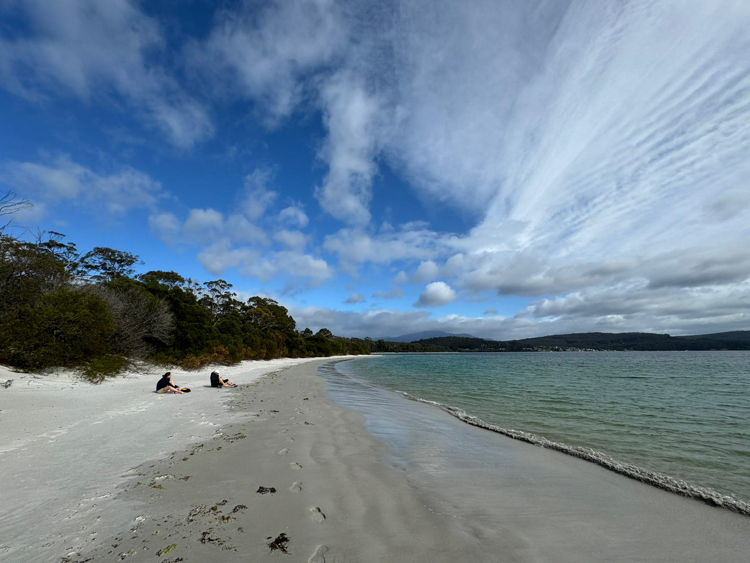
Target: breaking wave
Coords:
[(659, 480)]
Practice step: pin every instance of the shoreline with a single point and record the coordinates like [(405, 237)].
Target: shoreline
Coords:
[(660, 481), (338, 494), (301, 472)]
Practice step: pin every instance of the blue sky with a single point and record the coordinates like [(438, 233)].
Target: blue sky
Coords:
[(505, 169)]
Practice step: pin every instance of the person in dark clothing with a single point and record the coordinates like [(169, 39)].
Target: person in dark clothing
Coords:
[(166, 385), (218, 381)]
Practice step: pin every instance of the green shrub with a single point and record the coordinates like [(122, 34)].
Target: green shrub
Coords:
[(104, 366), (64, 328)]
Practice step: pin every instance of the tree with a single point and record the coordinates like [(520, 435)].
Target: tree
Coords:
[(10, 205), (64, 252), (267, 314), (26, 273), (324, 333), (107, 264), (143, 321), (219, 298), (170, 279)]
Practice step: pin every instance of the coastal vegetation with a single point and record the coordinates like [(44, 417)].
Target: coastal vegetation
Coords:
[(91, 311)]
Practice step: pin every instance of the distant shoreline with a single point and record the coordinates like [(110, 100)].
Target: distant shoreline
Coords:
[(576, 342)]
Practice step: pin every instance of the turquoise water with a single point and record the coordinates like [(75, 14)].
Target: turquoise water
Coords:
[(681, 414)]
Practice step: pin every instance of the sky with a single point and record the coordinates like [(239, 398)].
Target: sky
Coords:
[(502, 168)]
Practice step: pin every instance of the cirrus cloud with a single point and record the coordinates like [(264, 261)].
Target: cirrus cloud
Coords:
[(86, 48)]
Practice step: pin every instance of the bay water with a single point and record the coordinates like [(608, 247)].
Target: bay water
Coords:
[(682, 416)]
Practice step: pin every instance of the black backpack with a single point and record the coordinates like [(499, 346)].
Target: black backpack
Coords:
[(215, 379)]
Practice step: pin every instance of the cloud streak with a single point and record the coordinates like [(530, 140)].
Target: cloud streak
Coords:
[(61, 179), (86, 47), (602, 147)]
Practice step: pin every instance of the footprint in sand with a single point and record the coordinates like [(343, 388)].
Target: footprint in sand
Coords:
[(318, 556), (296, 466), (284, 451), (316, 515), (296, 487)]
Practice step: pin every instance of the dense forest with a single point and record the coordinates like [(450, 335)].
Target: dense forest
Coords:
[(61, 308), (634, 341)]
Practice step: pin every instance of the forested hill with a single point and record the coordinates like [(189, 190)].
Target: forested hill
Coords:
[(644, 341), (60, 308), (736, 340)]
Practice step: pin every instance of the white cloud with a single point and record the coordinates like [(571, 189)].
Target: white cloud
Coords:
[(394, 293), (400, 278), (355, 298), (207, 227), (166, 227), (436, 294), (678, 315), (294, 216), (257, 198), (241, 230), (350, 116), (304, 265), (370, 323), (354, 246), (598, 149), (426, 271), (251, 263), (220, 256), (60, 178), (87, 48), (295, 240), (490, 311), (203, 225), (263, 53)]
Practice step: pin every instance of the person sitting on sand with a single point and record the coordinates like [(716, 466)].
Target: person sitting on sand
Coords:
[(166, 385), (218, 381)]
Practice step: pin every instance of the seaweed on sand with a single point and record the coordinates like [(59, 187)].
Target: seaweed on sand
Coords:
[(279, 543)]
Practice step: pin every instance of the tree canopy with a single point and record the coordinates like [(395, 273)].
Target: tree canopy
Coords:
[(62, 309)]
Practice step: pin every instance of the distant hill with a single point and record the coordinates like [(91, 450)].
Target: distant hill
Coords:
[(414, 336), (625, 341), (737, 336), (738, 340)]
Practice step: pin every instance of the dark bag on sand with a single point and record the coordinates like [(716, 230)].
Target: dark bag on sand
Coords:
[(185, 390), (215, 380)]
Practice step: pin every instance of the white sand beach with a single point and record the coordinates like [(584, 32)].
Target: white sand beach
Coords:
[(65, 445), (116, 472)]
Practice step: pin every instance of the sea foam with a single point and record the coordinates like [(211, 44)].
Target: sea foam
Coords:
[(659, 480)]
